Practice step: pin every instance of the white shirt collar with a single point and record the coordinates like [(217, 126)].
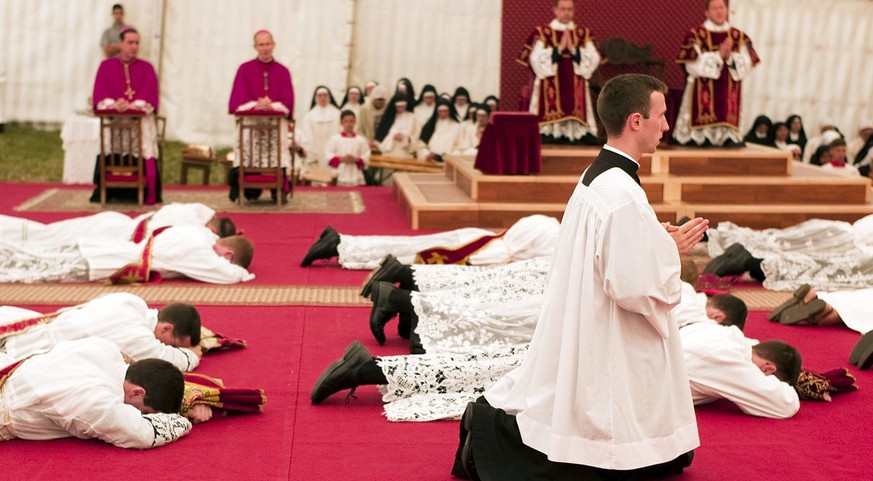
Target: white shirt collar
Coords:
[(712, 27), (556, 25), (619, 152)]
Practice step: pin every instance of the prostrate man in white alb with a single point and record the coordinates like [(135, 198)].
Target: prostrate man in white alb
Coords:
[(188, 251), (112, 225), (171, 334), (84, 389)]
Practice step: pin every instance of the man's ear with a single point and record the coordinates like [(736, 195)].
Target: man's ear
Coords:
[(635, 120), (136, 392), (768, 368), (717, 315)]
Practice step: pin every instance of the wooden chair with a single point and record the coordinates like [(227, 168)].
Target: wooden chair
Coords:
[(199, 157), (121, 159), (260, 162)]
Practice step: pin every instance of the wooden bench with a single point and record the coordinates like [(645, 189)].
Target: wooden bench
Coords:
[(200, 157), (396, 164)]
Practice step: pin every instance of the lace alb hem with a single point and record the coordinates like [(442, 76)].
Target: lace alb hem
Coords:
[(64, 264), (430, 387), (448, 324), (500, 283)]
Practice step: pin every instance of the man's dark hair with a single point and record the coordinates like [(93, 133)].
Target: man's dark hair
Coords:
[(556, 2), (243, 250), (224, 227), (624, 96), (185, 320), (734, 309), (125, 31), (841, 142), (162, 381), (347, 113), (117, 6), (785, 357)]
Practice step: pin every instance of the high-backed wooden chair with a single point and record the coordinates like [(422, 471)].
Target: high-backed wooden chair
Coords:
[(121, 159), (260, 162)]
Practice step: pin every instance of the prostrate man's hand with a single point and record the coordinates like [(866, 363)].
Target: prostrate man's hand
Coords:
[(197, 350), (688, 234), (199, 413)]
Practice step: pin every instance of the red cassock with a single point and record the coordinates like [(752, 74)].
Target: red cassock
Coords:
[(562, 96), (714, 102)]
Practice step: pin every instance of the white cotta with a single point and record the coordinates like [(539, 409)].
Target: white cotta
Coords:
[(605, 354)]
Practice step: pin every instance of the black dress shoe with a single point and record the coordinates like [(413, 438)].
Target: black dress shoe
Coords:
[(324, 248), (732, 262), (388, 268), (341, 374), (382, 310), (467, 461)]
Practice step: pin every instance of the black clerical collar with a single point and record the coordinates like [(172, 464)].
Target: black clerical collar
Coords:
[(608, 158)]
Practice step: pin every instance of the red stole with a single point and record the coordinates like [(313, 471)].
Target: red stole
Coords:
[(561, 97), (454, 255), (18, 327), (202, 389), (8, 370), (714, 102), (139, 271)]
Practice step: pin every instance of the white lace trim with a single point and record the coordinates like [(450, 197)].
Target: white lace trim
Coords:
[(485, 283), (822, 253), (64, 264), (571, 129), (168, 427), (430, 387)]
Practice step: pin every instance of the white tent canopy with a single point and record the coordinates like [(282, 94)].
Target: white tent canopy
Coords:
[(815, 53)]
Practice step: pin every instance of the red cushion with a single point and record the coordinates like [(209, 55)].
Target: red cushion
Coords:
[(260, 179), (122, 177)]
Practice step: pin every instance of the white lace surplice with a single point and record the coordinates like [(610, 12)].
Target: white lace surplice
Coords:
[(61, 264), (430, 387), (829, 255)]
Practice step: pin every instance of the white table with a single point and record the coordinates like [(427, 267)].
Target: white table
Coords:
[(81, 137)]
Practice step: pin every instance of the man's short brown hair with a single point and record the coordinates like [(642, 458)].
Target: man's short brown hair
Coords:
[(242, 247), (784, 356), (624, 96)]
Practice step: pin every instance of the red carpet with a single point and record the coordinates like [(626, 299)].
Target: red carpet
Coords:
[(292, 440)]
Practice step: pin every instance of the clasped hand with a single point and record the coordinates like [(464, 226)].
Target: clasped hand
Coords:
[(687, 235)]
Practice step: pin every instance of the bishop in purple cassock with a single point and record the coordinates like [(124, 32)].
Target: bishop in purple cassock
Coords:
[(128, 84), (262, 87)]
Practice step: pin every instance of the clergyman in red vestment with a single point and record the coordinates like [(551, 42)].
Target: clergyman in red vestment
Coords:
[(562, 57), (710, 110)]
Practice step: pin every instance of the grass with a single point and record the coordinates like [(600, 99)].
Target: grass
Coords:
[(31, 155)]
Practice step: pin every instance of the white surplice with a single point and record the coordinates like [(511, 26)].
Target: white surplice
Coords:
[(719, 363), (531, 236), (341, 145), (121, 318), (76, 390), (112, 225), (854, 307), (605, 354)]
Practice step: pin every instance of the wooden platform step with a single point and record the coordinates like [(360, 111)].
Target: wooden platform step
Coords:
[(753, 160), (807, 185)]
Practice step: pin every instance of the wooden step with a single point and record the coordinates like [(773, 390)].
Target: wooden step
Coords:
[(774, 215)]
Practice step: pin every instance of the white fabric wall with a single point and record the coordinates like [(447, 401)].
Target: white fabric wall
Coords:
[(201, 57), (816, 60), (447, 43), (816, 53), (50, 52)]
